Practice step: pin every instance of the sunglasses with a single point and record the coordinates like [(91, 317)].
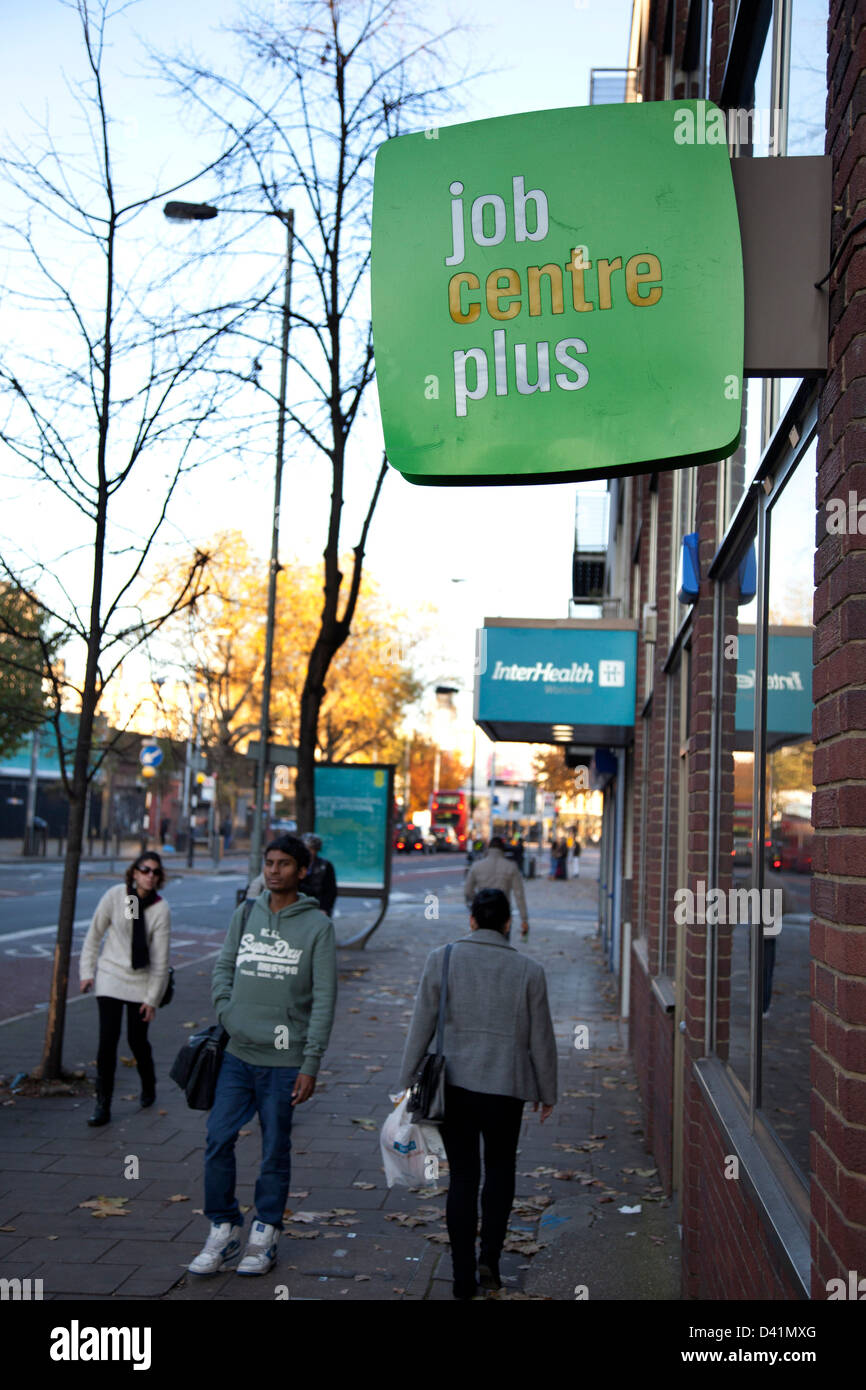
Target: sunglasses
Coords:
[(148, 869)]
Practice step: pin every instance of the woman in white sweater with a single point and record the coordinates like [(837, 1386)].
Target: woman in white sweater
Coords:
[(132, 923)]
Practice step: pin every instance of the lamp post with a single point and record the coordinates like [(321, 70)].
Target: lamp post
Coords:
[(203, 212)]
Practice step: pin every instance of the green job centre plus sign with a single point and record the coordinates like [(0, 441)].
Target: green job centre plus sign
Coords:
[(556, 294)]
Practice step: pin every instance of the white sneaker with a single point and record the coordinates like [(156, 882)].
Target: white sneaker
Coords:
[(261, 1252), (223, 1245)]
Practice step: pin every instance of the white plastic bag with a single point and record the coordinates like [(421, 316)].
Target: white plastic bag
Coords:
[(411, 1153)]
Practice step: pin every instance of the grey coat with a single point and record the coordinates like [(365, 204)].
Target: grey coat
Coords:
[(498, 1035), (495, 871)]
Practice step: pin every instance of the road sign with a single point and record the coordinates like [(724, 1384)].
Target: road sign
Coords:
[(279, 754), (150, 755)]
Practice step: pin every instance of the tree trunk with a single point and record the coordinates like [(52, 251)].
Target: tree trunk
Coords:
[(311, 702)]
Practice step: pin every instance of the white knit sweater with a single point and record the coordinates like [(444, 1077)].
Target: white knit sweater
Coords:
[(114, 974)]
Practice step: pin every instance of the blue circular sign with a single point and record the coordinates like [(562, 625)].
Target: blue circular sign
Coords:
[(150, 755)]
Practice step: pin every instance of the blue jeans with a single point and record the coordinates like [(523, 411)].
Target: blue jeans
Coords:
[(241, 1091)]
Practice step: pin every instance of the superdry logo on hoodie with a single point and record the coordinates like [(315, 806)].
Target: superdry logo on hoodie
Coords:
[(266, 958)]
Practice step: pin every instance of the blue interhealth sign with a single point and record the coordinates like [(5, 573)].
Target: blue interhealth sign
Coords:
[(150, 755), (556, 682)]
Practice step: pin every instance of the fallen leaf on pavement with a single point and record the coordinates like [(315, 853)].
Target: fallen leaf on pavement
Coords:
[(300, 1235), (128, 1061), (365, 1124), (178, 1197), (106, 1206), (365, 1187)]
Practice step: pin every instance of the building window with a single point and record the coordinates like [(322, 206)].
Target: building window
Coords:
[(784, 1087), (763, 841), (736, 775)]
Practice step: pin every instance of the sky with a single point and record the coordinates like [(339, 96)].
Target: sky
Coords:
[(510, 547)]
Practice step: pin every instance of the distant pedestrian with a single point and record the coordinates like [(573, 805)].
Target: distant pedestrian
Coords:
[(560, 859), (575, 858), (500, 1051), (226, 832), (164, 827), (495, 871), (321, 880), (132, 924)]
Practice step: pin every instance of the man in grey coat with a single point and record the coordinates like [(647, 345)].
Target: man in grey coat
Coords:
[(495, 871), (500, 1051)]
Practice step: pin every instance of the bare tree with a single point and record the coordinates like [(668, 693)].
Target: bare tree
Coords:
[(333, 80), (108, 372)]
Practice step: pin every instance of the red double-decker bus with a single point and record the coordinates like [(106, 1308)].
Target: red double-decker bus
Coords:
[(451, 808)]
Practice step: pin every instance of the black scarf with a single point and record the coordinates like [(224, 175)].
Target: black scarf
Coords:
[(140, 953)]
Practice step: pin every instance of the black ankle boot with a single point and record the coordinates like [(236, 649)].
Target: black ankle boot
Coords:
[(488, 1273), (102, 1113), (147, 1097)]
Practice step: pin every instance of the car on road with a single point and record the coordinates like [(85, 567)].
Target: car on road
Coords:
[(445, 837), (283, 827), (409, 839)]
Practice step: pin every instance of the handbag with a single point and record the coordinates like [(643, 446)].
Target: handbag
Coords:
[(169, 989), (197, 1066), (427, 1092)]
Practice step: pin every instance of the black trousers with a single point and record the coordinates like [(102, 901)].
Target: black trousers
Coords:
[(110, 1020), (471, 1116)]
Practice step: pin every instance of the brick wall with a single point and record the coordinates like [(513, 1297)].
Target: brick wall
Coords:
[(727, 1254), (838, 1139)]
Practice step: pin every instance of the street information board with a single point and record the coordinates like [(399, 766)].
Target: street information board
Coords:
[(352, 819), (558, 295)]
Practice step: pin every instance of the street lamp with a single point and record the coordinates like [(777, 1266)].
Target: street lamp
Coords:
[(204, 212)]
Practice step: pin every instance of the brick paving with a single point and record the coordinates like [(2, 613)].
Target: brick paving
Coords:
[(352, 1237)]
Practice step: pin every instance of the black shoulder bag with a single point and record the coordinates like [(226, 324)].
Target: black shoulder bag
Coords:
[(197, 1065), (427, 1094)]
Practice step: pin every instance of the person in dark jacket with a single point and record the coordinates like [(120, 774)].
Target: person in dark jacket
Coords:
[(500, 1051), (321, 880)]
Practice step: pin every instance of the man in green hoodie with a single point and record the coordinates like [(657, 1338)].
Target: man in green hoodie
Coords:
[(274, 990)]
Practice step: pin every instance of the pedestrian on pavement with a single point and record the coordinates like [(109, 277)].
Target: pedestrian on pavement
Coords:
[(321, 880), (560, 859), (575, 859), (274, 990), (495, 871), (500, 1051), (132, 924)]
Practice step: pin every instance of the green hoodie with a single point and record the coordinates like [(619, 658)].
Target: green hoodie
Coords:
[(275, 984)]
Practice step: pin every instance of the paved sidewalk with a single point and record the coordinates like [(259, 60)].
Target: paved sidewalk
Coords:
[(351, 1238)]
